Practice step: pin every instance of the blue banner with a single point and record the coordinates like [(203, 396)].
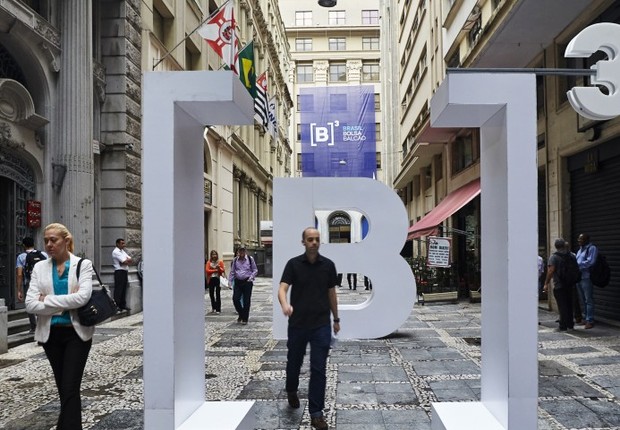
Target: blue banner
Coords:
[(338, 131)]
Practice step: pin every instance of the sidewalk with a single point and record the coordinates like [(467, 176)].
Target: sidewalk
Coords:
[(372, 384)]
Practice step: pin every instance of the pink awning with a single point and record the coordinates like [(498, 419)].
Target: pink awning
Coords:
[(454, 201)]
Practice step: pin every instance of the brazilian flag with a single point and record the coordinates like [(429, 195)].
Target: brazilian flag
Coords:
[(247, 72)]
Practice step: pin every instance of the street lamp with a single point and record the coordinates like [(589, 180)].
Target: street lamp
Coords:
[(328, 3)]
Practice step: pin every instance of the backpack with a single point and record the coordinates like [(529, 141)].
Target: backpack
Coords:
[(32, 258), (599, 271), (568, 272)]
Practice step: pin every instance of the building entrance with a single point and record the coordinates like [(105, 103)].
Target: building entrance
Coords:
[(16, 188)]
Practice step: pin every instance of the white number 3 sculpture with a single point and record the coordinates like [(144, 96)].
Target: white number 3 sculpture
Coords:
[(590, 102)]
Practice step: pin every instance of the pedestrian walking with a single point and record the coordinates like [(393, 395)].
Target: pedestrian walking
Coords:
[(243, 271), (214, 268), (23, 271), (312, 279), (54, 295)]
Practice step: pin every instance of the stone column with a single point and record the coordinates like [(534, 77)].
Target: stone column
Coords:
[(74, 125)]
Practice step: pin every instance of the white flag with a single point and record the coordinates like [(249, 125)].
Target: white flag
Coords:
[(261, 110), (272, 126)]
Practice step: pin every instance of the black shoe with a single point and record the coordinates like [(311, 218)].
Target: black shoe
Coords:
[(319, 423), (293, 400)]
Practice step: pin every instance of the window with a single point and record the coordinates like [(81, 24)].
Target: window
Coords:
[(378, 160), (305, 73), (377, 102), (475, 32), (303, 44), (337, 72), (299, 163), (465, 151), (337, 44), (370, 161), (303, 18), (339, 228), (337, 102), (370, 43), (370, 17), (377, 131), (336, 17), (307, 162), (370, 72), (298, 131), (305, 102)]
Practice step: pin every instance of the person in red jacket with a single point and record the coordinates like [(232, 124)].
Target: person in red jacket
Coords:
[(214, 268)]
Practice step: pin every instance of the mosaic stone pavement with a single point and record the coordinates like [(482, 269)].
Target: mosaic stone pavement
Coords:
[(377, 384)]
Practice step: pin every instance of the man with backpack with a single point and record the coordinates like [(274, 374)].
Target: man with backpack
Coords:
[(242, 273), (23, 269), (586, 258), (563, 269)]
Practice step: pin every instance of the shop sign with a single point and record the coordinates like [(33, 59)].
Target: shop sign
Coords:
[(33, 213), (438, 251)]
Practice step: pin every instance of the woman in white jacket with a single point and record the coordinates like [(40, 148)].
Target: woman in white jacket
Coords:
[(54, 295)]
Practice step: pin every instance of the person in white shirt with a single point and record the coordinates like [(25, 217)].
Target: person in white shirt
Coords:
[(121, 261)]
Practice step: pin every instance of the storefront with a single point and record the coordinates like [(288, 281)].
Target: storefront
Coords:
[(595, 205), (457, 217)]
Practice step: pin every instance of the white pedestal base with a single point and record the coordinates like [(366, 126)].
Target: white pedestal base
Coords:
[(463, 416), (221, 416)]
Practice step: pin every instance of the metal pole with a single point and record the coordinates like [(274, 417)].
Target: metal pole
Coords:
[(537, 71)]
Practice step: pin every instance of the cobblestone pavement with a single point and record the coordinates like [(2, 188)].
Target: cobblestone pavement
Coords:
[(372, 384)]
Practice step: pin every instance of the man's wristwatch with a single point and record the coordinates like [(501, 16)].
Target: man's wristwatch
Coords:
[(337, 320)]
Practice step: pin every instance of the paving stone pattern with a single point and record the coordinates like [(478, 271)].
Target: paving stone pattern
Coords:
[(372, 384)]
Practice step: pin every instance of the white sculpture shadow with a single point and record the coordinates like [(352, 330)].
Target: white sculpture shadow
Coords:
[(504, 107), (177, 106)]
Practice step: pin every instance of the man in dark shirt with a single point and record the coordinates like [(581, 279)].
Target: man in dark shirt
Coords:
[(313, 278), (562, 292)]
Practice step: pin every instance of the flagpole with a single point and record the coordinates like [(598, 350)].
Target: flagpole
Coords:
[(234, 40), (188, 36)]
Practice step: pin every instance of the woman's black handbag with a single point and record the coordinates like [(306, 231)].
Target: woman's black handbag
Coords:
[(100, 307)]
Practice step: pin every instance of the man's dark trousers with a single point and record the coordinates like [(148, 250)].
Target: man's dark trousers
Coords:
[(120, 288), (564, 298), (320, 339), (242, 289)]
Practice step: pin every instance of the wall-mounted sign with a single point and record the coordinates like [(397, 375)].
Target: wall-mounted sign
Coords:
[(438, 251), (33, 213)]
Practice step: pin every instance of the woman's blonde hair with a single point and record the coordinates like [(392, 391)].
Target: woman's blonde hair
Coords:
[(64, 232)]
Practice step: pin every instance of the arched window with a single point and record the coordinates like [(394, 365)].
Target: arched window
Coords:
[(339, 228)]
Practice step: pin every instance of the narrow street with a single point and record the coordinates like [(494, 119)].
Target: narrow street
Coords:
[(372, 384)]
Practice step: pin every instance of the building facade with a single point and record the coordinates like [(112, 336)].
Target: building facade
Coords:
[(336, 49), (578, 167), (70, 126), (70, 120), (240, 162)]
